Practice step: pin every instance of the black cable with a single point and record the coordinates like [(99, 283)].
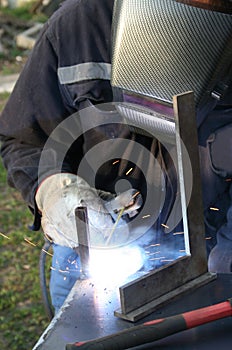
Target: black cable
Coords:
[(43, 284)]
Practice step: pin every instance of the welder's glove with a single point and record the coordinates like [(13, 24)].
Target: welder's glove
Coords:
[(57, 198)]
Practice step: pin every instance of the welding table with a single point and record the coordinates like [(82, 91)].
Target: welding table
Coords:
[(88, 313)]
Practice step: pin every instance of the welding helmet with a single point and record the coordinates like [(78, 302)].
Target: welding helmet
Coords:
[(163, 48)]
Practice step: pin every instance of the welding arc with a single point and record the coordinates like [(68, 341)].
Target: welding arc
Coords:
[(156, 329)]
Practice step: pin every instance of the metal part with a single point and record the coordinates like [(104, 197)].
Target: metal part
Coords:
[(141, 296), (157, 329), (88, 314), (83, 239), (146, 309), (163, 72)]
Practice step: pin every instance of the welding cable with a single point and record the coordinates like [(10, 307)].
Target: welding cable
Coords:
[(156, 329), (43, 283)]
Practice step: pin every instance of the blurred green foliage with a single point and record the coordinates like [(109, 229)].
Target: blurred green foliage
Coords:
[(22, 316), (24, 13)]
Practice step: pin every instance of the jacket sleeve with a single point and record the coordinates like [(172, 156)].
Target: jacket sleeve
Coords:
[(34, 108), (40, 101)]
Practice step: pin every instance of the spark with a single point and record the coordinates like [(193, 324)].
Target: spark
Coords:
[(215, 209), (63, 271), (136, 194), (182, 250), (207, 238), (178, 233), (116, 161), (161, 257), (31, 243), (2, 234), (47, 252), (146, 216), (36, 246), (154, 253), (166, 226), (154, 245), (167, 260), (59, 270), (129, 171)]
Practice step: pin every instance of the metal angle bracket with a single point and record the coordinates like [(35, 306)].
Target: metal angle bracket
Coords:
[(142, 296), (161, 301)]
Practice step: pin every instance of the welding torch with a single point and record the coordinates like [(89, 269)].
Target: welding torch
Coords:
[(127, 202), (156, 329)]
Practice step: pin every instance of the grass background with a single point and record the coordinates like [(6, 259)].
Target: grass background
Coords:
[(22, 315)]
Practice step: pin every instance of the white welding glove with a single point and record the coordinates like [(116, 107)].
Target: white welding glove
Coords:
[(59, 195)]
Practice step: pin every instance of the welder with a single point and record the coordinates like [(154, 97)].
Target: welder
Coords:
[(68, 71)]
